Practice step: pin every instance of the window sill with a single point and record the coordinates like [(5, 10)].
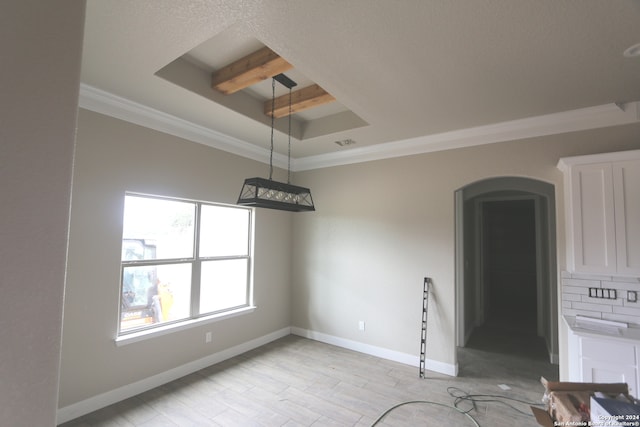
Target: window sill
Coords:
[(175, 327)]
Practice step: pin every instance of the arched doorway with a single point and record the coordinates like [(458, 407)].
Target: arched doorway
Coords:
[(506, 259)]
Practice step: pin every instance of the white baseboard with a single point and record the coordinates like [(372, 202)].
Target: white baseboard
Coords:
[(105, 399), (384, 353)]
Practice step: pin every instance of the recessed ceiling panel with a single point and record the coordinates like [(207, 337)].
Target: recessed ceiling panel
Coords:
[(193, 68)]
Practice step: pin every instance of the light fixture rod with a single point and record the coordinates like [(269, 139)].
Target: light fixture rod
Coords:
[(289, 134), (273, 101)]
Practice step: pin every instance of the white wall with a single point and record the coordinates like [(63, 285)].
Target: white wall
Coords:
[(40, 50), (380, 227), (112, 157)]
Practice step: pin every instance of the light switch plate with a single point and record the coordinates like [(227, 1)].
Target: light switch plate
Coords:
[(632, 296)]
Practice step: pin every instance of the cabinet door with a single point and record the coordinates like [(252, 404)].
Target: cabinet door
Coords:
[(593, 218), (598, 371), (608, 361), (626, 184), (573, 356)]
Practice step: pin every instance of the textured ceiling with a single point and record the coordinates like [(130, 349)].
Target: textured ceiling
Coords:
[(406, 68)]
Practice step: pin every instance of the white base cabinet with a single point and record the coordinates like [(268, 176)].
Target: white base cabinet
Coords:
[(602, 371), (601, 359)]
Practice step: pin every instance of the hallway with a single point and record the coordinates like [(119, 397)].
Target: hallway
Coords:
[(509, 262), (506, 268), (511, 340)]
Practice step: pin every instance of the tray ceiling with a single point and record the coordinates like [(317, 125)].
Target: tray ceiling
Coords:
[(402, 72)]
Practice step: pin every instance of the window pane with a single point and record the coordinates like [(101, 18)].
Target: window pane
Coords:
[(224, 231), (155, 294), (157, 229), (223, 285)]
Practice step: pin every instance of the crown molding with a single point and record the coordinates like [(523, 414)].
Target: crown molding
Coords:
[(565, 163), (100, 101), (103, 102), (550, 124)]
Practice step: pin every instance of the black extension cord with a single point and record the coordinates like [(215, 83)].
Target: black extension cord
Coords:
[(461, 396)]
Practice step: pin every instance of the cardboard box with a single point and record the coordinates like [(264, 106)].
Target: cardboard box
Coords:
[(569, 403), (569, 407)]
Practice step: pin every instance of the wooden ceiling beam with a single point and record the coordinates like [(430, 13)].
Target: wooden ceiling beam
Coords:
[(253, 68), (302, 99)]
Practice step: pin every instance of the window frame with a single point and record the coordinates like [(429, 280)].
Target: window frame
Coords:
[(194, 317)]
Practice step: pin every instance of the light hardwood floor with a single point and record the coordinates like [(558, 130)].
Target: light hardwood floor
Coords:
[(299, 382)]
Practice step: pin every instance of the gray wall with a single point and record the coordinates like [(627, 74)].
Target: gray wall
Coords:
[(382, 226), (112, 157), (40, 49)]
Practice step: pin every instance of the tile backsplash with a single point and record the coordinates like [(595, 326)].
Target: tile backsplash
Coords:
[(625, 307)]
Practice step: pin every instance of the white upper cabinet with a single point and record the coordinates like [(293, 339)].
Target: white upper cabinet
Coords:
[(626, 187), (593, 218), (602, 196)]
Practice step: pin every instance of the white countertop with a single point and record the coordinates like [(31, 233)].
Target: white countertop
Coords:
[(602, 330)]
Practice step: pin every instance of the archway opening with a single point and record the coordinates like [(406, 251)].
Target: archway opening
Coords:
[(505, 267), (508, 244)]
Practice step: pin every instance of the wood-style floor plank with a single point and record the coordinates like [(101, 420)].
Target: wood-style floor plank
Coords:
[(299, 382)]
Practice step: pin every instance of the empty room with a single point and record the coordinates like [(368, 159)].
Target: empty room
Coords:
[(316, 213)]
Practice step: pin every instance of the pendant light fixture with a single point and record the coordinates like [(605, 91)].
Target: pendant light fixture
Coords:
[(267, 193)]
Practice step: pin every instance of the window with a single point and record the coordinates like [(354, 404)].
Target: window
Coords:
[(182, 260)]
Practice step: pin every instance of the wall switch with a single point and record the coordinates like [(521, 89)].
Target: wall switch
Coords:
[(361, 325), (632, 296), (207, 337)]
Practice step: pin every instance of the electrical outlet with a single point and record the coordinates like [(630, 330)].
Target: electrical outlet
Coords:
[(603, 293), (207, 337), (361, 325), (632, 296)]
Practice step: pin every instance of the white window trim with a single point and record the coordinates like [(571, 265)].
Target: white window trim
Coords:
[(180, 326), (122, 339)]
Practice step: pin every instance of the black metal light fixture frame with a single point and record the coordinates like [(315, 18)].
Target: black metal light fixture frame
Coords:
[(270, 194)]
